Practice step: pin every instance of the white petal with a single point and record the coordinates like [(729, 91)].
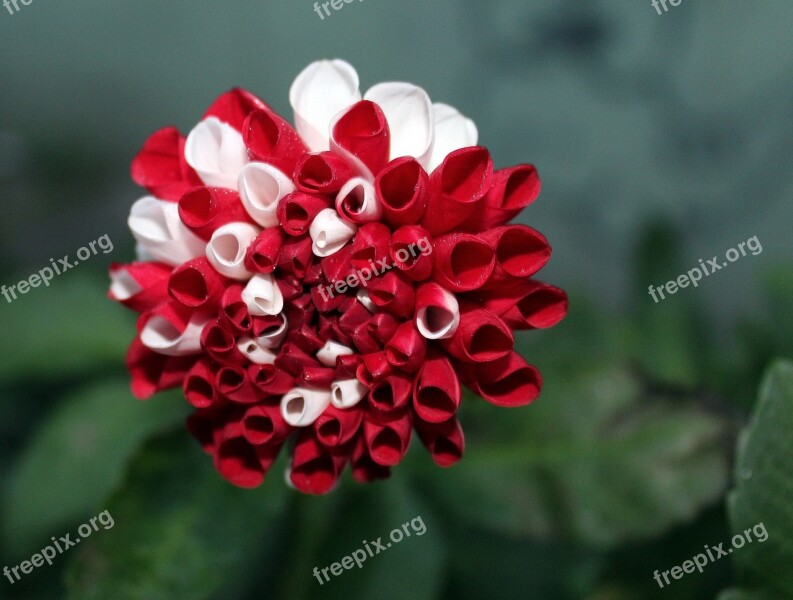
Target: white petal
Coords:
[(328, 353), (217, 153), (254, 352), (408, 110), (452, 132), (226, 250), (161, 234), (439, 322), (123, 286), (347, 393), (322, 90), (263, 296), (300, 407), (363, 195), (330, 232), (273, 339), (363, 298), (162, 337), (261, 187)]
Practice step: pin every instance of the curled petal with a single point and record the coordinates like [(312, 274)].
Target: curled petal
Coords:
[(165, 331), (263, 253), (407, 349), (363, 297), (204, 209), (217, 153), (139, 286), (195, 284), (152, 372), (364, 469), (388, 440), (322, 173), (272, 140), (520, 252), (227, 249), (199, 385), (302, 406), (296, 256), (305, 337), (353, 317), (362, 133), (328, 354), (408, 110), (463, 261), (160, 166), (410, 250), (357, 201), (319, 92), (254, 352), (297, 210), (508, 382), (263, 296), (452, 132), (391, 394), (481, 337), (346, 367), (402, 189), (512, 190), (293, 360), (372, 335), (157, 228), (437, 394), (235, 310), (457, 187), (263, 424), (444, 441), (219, 342), (346, 393), (369, 246), (270, 331), (330, 233), (316, 377), (271, 379), (526, 304), (393, 293), (373, 368), (234, 106), (261, 188), (437, 312), (314, 469), (336, 427), (233, 382)]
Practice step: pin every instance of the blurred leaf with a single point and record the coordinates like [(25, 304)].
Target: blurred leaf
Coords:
[(763, 487), (737, 594), (77, 457), (593, 461), (67, 327), (180, 530)]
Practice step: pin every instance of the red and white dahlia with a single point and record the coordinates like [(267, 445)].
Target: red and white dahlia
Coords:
[(279, 282)]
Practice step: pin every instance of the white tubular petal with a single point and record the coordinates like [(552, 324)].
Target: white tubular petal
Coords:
[(263, 296), (142, 255), (439, 321), (261, 186), (273, 339), (254, 352), (408, 110), (452, 132), (161, 234), (122, 285), (323, 89), (226, 250), (363, 298), (300, 407), (288, 477), (162, 337), (330, 232), (347, 393), (328, 353), (217, 153), (361, 199)]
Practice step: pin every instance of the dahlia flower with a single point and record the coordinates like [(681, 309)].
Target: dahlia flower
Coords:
[(279, 284)]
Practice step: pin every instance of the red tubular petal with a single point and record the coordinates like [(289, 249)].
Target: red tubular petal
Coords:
[(151, 281), (205, 209), (388, 440), (270, 379), (364, 469), (520, 252), (371, 244), (353, 316), (402, 189), (481, 337), (527, 304), (145, 368), (196, 284), (238, 462), (407, 349), (315, 470), (175, 313), (306, 338), (372, 335), (161, 168), (264, 424), (437, 307), (437, 394), (444, 441), (300, 310), (363, 132), (391, 394), (508, 382), (271, 139), (347, 366), (296, 256), (234, 106), (293, 360), (297, 210), (218, 340), (373, 368), (336, 427), (463, 261), (174, 371), (456, 188), (235, 311), (512, 190), (316, 377), (291, 287), (322, 172), (394, 293), (410, 251), (338, 266), (263, 254), (204, 424), (199, 385), (234, 383)]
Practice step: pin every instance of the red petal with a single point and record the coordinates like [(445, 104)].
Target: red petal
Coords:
[(199, 385), (393, 293), (296, 256), (197, 284), (388, 440), (160, 166), (363, 132), (410, 251), (463, 261), (508, 382), (264, 424), (271, 139), (512, 190), (297, 210), (235, 311), (323, 172), (445, 441), (407, 349), (150, 277), (481, 337), (402, 189), (234, 106), (437, 394), (391, 394), (271, 379), (263, 254), (370, 244), (336, 427), (520, 252), (364, 469), (315, 470), (205, 209), (234, 383)]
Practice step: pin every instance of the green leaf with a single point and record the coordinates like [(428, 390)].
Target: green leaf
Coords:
[(593, 460), (77, 458), (737, 594), (67, 327), (764, 487), (180, 531)]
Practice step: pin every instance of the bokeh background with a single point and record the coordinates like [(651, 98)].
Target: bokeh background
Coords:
[(660, 140)]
